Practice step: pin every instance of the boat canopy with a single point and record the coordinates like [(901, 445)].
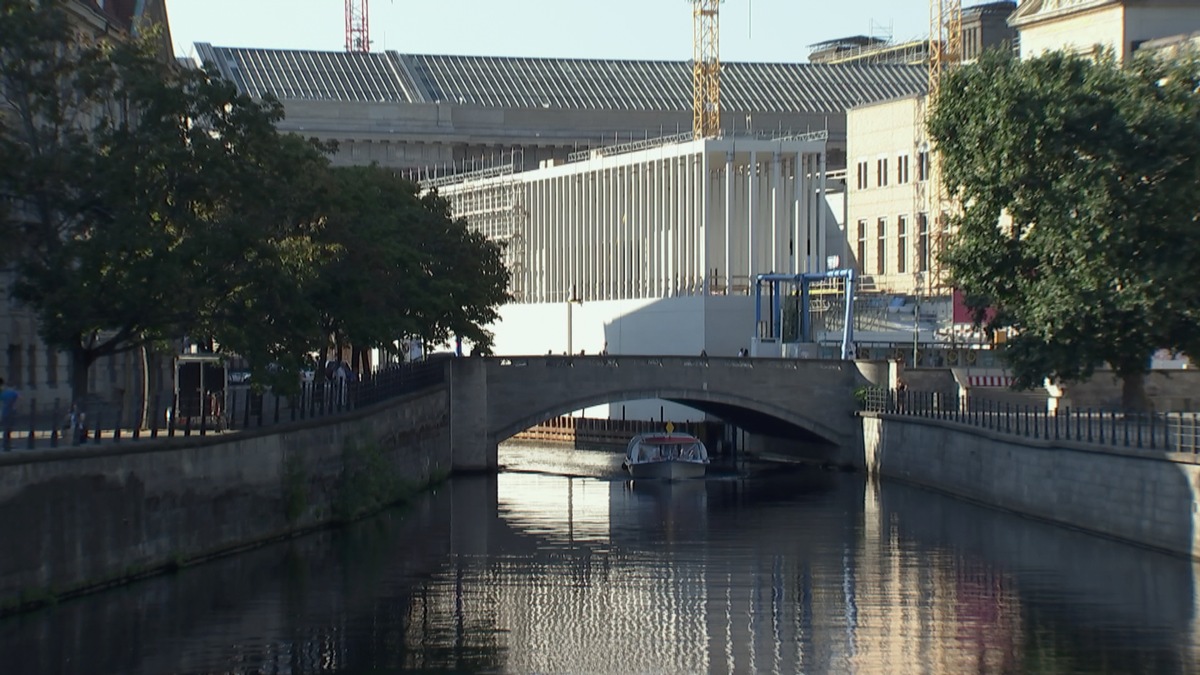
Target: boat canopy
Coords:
[(660, 447)]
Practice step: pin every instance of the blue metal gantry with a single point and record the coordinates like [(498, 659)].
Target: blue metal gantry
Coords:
[(774, 281)]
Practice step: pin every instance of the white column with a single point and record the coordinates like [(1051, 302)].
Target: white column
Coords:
[(820, 241), (703, 224), (594, 239), (752, 223), (776, 211), (799, 242), (606, 245), (729, 222), (676, 207), (811, 189)]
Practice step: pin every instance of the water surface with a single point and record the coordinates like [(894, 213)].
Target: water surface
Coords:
[(561, 565)]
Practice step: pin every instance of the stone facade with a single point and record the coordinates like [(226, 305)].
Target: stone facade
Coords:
[(40, 373), (1084, 25), (888, 230)]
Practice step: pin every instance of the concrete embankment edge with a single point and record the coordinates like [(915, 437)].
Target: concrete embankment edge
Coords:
[(78, 519), (1141, 496)]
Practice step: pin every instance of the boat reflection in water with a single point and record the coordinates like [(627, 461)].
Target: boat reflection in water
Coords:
[(660, 510)]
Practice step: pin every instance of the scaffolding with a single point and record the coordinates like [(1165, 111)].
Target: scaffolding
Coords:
[(491, 200)]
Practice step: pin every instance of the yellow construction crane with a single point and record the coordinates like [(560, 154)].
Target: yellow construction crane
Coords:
[(706, 68), (945, 52), (945, 41)]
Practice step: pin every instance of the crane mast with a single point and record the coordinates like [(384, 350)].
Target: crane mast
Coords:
[(945, 41), (945, 51), (358, 33), (706, 69)]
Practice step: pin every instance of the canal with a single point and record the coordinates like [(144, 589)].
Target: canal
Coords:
[(558, 565)]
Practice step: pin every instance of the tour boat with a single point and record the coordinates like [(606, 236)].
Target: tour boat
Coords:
[(669, 455)]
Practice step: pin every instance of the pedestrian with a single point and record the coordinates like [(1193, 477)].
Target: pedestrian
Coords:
[(8, 411), (76, 423), (704, 353)]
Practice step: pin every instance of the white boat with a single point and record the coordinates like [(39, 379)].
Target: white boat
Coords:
[(668, 455)]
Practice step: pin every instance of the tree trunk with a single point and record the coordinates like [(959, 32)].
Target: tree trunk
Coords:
[(81, 362), (1133, 392)]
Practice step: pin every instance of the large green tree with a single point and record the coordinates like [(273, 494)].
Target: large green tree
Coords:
[(1077, 179), (148, 201), (400, 266)]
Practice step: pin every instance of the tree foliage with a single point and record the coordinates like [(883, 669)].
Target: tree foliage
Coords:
[(146, 197), (1077, 179), (144, 202), (402, 266)]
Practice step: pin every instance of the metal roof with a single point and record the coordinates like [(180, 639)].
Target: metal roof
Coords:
[(573, 84)]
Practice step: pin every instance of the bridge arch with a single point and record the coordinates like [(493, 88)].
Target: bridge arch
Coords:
[(495, 398), (505, 429)]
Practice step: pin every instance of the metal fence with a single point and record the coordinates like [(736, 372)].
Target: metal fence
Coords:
[(239, 409), (1171, 432)]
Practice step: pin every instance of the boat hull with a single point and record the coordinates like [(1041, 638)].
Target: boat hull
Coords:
[(667, 469)]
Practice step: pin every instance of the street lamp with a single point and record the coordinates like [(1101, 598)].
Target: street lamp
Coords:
[(917, 281), (572, 299)]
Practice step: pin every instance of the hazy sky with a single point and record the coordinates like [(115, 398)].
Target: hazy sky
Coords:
[(751, 30)]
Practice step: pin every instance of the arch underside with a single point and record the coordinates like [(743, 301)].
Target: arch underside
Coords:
[(762, 417)]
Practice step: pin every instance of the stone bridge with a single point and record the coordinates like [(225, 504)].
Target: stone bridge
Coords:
[(495, 398)]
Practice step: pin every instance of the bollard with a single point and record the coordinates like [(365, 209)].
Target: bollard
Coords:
[(32, 422)]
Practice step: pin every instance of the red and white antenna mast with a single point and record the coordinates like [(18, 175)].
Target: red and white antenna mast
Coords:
[(358, 30)]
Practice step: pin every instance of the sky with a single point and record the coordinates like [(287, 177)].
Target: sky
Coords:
[(751, 30)]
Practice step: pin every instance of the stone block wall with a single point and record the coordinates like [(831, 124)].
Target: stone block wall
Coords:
[(78, 518), (1168, 391), (1146, 497)]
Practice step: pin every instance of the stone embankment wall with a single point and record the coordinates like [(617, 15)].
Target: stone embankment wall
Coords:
[(1141, 496), (1166, 390), (72, 519)]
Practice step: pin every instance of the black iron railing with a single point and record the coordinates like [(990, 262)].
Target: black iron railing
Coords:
[(1171, 432), (239, 408)]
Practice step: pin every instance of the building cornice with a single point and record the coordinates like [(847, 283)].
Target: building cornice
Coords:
[(1033, 12)]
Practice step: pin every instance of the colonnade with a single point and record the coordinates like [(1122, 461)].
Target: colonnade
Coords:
[(694, 218)]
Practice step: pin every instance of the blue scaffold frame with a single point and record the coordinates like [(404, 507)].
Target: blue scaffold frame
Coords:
[(774, 280)]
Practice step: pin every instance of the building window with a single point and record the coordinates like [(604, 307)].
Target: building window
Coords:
[(922, 242), (52, 367), (902, 245), (881, 247), (882, 169), (923, 165), (862, 246), (862, 179), (902, 169), (14, 365), (31, 355)]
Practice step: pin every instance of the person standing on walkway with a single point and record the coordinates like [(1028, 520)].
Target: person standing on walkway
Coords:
[(8, 412)]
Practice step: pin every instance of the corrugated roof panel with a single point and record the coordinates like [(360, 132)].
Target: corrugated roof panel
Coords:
[(557, 83)]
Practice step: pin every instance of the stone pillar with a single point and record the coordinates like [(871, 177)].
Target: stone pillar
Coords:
[(471, 446)]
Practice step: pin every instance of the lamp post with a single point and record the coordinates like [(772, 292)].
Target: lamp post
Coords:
[(918, 280), (572, 299)]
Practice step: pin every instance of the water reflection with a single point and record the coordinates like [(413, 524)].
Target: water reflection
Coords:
[(787, 571)]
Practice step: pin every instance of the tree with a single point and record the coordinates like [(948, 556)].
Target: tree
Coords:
[(148, 201), (1077, 181), (400, 265)]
